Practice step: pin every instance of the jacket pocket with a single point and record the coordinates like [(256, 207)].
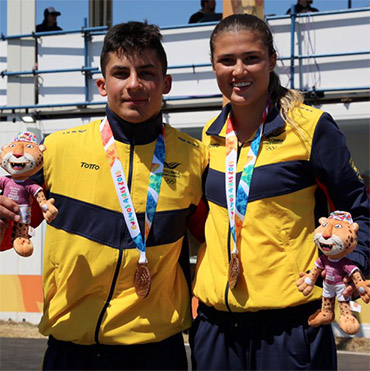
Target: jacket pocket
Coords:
[(290, 253)]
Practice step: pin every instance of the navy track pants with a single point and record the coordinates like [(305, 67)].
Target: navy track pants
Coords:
[(168, 354), (265, 340)]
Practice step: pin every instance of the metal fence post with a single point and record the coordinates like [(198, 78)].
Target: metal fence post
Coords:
[(292, 33)]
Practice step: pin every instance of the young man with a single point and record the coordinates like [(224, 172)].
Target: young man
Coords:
[(116, 296)]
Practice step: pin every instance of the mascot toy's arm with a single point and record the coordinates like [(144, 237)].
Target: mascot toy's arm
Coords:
[(307, 281), (49, 211), (363, 287)]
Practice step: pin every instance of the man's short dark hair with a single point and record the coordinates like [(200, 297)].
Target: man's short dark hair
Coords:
[(133, 37)]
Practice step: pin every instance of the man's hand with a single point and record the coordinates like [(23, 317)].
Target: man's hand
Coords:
[(8, 211)]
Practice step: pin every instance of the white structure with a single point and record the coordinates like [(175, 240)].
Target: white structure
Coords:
[(337, 66)]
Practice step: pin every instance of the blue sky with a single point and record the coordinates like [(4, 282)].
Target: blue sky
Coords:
[(160, 12)]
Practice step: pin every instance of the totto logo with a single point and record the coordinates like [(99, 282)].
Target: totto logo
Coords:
[(85, 165)]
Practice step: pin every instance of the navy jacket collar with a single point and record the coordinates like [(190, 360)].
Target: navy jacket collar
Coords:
[(273, 122), (141, 133)]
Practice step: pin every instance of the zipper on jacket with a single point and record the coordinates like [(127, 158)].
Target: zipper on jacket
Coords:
[(227, 284), (131, 166), (113, 285), (120, 256)]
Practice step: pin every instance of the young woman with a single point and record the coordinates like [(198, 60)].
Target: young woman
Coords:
[(274, 163)]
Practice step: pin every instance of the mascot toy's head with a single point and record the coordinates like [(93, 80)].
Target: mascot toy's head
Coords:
[(22, 157), (336, 235)]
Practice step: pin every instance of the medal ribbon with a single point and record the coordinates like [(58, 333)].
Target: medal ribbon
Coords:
[(123, 193), (237, 201)]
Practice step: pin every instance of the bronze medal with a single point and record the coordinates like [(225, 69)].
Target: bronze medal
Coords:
[(142, 280), (233, 270)]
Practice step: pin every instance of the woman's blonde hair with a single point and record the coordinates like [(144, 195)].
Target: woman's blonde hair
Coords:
[(286, 99)]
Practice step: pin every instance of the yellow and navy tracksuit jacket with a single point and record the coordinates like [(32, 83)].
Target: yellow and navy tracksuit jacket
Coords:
[(285, 203), (89, 257)]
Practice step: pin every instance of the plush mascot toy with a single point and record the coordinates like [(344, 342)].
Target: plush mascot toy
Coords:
[(336, 236), (21, 159)]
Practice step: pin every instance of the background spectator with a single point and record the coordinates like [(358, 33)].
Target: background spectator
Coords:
[(207, 13), (303, 6), (50, 21)]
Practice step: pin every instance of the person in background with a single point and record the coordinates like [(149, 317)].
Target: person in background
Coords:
[(116, 262), (274, 164), (206, 13), (50, 21), (303, 6)]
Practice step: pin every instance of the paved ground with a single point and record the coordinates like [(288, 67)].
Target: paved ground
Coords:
[(26, 354), (21, 354)]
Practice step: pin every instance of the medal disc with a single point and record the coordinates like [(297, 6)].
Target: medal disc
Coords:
[(142, 280), (233, 271)]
